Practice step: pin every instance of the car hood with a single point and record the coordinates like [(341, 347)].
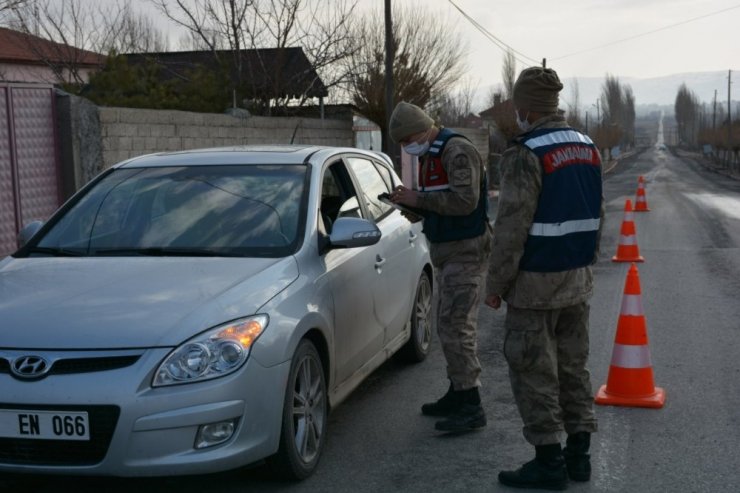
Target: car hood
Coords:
[(121, 302)]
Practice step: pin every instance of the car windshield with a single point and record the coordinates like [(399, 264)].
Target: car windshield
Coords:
[(190, 211)]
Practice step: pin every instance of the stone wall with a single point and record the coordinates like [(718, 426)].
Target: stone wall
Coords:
[(80, 146)]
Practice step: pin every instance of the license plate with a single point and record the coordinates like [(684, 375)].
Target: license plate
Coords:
[(44, 425)]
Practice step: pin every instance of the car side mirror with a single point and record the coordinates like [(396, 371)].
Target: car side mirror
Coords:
[(28, 231), (353, 232)]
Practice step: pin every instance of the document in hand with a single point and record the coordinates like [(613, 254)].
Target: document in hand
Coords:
[(384, 197)]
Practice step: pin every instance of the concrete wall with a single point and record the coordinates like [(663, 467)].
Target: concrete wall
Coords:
[(127, 132), (479, 137)]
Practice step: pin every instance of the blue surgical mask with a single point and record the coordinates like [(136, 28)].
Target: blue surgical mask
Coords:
[(523, 125), (416, 149)]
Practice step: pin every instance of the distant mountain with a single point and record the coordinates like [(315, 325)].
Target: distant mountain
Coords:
[(660, 91), (657, 90)]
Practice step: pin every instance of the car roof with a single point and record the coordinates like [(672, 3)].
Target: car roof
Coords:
[(262, 154)]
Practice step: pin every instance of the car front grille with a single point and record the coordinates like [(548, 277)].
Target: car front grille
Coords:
[(88, 365), (102, 419), (81, 365)]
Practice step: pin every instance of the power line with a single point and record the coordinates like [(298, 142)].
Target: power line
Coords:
[(503, 46), (646, 33)]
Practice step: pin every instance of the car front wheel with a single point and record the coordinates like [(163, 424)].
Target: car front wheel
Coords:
[(305, 413), (417, 347)]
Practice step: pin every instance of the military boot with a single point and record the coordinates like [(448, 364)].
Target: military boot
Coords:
[(577, 460), (546, 471), (468, 415), (445, 406)]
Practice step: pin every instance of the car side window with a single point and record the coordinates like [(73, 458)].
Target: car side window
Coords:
[(371, 184), (338, 197)]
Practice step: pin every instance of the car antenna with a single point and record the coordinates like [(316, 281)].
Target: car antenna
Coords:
[(295, 131)]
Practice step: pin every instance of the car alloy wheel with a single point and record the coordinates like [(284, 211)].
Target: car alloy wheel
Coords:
[(304, 415), (417, 348)]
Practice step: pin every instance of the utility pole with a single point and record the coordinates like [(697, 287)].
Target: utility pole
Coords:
[(714, 112), (544, 63), (389, 57), (729, 116)]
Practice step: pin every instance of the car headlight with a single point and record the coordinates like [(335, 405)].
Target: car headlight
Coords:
[(212, 354)]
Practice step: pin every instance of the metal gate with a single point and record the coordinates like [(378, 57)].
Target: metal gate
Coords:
[(30, 186)]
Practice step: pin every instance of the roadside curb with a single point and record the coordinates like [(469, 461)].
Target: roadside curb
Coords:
[(702, 161), (612, 163)]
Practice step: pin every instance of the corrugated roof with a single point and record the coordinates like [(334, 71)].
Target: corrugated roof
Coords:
[(19, 47)]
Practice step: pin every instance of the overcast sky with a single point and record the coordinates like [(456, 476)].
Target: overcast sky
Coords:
[(555, 30), (571, 34)]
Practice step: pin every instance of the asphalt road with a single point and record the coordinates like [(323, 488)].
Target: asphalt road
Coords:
[(379, 442)]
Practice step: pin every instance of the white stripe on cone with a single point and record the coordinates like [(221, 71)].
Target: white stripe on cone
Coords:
[(627, 240), (632, 305), (629, 356)]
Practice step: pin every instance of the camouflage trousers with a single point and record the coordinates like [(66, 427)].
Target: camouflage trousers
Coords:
[(547, 351), (460, 282)]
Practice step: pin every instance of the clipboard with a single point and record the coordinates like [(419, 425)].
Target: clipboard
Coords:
[(385, 198)]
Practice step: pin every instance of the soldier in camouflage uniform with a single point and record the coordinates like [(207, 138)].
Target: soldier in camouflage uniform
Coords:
[(452, 199), (547, 231)]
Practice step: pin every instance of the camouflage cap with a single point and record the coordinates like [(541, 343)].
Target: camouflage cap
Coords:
[(537, 89), (408, 119)]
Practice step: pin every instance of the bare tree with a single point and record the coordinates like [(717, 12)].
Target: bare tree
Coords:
[(71, 26), (216, 25), (508, 74), (428, 61), (9, 5), (617, 112), (628, 115), (78, 30), (137, 33), (323, 31), (687, 114), (453, 107), (574, 106)]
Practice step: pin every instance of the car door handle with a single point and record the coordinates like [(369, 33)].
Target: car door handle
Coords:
[(412, 237), (379, 262)]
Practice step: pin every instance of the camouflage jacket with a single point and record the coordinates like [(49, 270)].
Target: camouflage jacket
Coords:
[(521, 183), (465, 169)]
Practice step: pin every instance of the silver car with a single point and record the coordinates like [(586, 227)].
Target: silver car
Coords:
[(197, 311)]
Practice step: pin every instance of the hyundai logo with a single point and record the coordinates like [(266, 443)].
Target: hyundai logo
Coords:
[(29, 367)]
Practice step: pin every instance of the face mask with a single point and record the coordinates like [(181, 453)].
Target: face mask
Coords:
[(416, 149), (523, 125)]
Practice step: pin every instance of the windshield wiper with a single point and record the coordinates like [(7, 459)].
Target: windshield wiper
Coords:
[(160, 252), (58, 252)]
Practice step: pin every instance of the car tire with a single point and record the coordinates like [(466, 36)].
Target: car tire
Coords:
[(305, 416), (417, 347)]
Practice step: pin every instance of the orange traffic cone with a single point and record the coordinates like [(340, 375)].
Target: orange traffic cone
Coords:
[(640, 199), (627, 250), (630, 381)]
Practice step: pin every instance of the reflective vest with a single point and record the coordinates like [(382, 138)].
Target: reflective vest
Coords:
[(439, 228), (566, 223)]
